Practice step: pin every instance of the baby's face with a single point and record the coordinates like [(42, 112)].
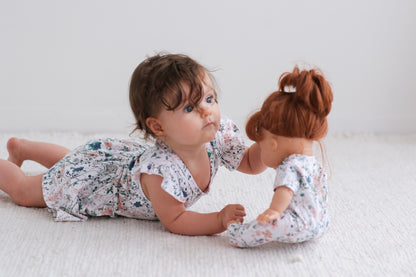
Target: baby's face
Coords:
[(192, 125)]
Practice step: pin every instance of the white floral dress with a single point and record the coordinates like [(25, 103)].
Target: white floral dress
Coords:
[(305, 218), (102, 177)]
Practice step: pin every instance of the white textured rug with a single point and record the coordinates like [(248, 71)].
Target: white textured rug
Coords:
[(373, 231)]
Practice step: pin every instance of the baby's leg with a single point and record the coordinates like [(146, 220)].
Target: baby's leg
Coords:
[(24, 190), (47, 154)]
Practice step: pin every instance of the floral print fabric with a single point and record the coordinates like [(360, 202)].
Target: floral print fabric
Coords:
[(102, 177), (306, 217)]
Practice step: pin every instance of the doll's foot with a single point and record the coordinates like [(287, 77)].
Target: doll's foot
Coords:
[(13, 146)]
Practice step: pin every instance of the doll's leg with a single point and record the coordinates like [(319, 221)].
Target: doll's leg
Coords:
[(255, 233), (24, 190), (249, 234), (47, 154), (287, 228)]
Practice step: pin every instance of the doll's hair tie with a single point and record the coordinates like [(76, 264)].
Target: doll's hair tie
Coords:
[(289, 89)]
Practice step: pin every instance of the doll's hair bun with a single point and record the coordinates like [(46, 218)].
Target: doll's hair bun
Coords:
[(308, 88), (299, 108)]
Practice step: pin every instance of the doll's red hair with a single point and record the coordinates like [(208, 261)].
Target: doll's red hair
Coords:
[(298, 109)]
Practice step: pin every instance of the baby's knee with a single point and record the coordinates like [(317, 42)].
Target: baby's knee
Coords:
[(20, 198)]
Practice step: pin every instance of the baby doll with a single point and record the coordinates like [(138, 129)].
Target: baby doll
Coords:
[(287, 125)]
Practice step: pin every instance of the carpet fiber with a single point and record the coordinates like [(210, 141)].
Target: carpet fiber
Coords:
[(372, 192)]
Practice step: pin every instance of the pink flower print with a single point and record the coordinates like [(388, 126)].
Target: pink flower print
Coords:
[(93, 154), (56, 196), (227, 138), (267, 235), (107, 211), (62, 172), (235, 244), (108, 144), (121, 204)]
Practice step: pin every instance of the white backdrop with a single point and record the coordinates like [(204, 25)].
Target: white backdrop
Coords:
[(66, 65)]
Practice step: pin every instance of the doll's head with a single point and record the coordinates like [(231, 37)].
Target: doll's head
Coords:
[(298, 109), (157, 83)]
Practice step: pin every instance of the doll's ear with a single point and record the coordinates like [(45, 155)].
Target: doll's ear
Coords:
[(155, 126)]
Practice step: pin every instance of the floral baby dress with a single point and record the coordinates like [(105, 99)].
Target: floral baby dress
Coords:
[(102, 177)]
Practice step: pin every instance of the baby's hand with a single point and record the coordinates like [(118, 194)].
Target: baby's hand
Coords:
[(231, 214), (268, 215)]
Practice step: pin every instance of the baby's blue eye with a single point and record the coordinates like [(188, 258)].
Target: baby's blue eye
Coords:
[(209, 99), (188, 109)]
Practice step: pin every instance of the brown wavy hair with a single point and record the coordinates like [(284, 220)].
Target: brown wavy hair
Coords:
[(157, 83), (299, 108)]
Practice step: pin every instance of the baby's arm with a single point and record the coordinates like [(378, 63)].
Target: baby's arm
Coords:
[(281, 200), (174, 217), (252, 163)]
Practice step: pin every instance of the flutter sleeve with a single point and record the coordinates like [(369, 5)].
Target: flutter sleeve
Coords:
[(230, 144), (176, 180)]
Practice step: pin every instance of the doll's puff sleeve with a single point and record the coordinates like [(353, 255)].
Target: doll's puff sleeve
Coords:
[(288, 175)]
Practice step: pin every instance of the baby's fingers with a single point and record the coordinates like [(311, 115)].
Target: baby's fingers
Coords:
[(239, 211), (238, 207), (232, 221), (232, 213), (238, 215)]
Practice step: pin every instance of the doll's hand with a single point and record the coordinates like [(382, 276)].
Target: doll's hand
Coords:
[(231, 214), (268, 215)]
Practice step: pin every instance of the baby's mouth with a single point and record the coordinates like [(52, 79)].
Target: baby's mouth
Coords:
[(208, 124)]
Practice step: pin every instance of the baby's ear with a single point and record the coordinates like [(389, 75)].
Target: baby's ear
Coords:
[(155, 126)]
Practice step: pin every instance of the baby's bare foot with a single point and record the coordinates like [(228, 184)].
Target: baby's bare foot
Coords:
[(13, 146)]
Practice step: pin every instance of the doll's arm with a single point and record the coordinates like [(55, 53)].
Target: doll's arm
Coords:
[(252, 163), (281, 200), (175, 218)]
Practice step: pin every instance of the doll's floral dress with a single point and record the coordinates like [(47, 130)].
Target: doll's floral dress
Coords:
[(305, 218), (102, 177)]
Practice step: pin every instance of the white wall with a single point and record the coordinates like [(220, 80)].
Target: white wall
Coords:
[(66, 65)]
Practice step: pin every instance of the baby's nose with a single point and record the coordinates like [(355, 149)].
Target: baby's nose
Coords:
[(204, 111)]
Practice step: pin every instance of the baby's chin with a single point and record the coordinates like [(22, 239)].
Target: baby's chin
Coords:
[(212, 132)]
